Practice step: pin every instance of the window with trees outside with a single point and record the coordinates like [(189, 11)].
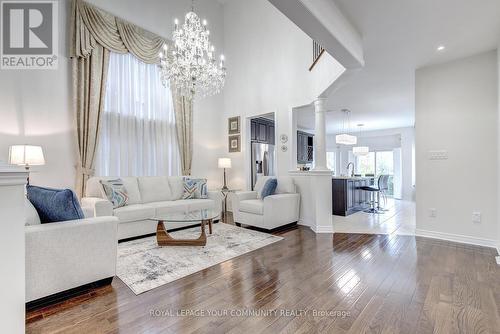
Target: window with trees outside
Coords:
[(377, 163)]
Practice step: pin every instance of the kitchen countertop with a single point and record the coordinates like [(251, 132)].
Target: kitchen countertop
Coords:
[(352, 178)]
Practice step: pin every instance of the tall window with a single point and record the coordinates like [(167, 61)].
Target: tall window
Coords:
[(330, 161), (384, 162), (377, 163), (138, 135), (365, 164)]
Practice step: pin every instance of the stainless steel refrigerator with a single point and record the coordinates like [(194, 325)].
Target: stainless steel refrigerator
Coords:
[(263, 161)]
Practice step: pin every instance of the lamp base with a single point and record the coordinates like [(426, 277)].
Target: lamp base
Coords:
[(225, 188)]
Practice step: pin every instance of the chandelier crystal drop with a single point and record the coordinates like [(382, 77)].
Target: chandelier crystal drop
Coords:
[(190, 64)]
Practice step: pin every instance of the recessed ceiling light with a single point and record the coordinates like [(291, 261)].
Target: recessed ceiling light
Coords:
[(441, 48)]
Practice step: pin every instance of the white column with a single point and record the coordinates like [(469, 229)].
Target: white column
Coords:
[(315, 188), (320, 134), (12, 280)]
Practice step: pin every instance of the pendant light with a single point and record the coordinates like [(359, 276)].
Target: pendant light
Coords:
[(360, 150), (345, 138)]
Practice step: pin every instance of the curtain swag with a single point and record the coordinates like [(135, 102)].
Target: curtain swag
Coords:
[(91, 26), (94, 33)]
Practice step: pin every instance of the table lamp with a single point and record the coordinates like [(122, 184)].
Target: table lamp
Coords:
[(225, 163), (27, 156)]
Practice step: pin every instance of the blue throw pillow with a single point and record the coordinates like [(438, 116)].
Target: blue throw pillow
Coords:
[(54, 205), (269, 188)]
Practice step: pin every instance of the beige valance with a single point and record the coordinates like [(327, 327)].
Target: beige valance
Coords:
[(91, 26)]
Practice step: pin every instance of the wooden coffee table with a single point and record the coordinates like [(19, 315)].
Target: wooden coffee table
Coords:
[(163, 238)]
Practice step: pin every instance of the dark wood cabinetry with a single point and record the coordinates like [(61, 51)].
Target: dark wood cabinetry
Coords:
[(347, 197), (262, 131), (253, 131), (305, 151)]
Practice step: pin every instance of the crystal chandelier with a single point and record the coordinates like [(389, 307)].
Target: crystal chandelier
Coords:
[(190, 64), (345, 138)]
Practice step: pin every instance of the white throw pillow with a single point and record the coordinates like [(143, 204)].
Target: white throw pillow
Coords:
[(285, 185)]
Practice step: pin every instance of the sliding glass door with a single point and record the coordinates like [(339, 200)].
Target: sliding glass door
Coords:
[(384, 164), (377, 163)]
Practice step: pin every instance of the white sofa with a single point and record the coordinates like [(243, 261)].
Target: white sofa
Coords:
[(67, 255), (147, 197), (273, 211)]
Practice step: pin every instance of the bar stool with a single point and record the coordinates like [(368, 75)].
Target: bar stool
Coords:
[(383, 187), (372, 190)]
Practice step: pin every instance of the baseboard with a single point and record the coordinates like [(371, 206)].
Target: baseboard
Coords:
[(457, 238), (322, 229)]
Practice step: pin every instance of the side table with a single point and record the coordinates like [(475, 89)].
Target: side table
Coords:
[(225, 193)]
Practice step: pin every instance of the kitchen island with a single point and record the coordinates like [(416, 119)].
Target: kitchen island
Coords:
[(347, 197)]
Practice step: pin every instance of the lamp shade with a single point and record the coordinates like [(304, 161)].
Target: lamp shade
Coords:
[(346, 139), (224, 163), (26, 155)]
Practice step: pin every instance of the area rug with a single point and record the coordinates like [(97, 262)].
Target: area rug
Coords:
[(143, 266)]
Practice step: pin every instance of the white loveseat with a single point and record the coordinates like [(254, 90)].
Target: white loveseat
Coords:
[(67, 255), (273, 211), (148, 196)]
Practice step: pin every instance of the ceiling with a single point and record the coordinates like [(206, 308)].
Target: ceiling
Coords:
[(399, 37)]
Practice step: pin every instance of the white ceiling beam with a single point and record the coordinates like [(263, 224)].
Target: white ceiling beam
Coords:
[(323, 21)]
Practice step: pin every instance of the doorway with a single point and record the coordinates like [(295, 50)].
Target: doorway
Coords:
[(262, 149)]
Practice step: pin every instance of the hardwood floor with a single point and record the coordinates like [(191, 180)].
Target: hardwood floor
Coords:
[(377, 283)]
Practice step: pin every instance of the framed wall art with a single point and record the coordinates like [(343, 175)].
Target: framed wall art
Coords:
[(234, 143), (233, 125)]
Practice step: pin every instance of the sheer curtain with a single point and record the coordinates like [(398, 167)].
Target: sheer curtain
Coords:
[(138, 133)]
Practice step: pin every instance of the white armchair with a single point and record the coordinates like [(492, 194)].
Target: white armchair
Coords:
[(273, 211)]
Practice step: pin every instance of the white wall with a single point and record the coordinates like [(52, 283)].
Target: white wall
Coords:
[(36, 110), (36, 104), (381, 140), (268, 59), (498, 151), (457, 111), (12, 252)]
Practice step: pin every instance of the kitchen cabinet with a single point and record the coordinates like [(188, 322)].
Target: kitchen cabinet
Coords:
[(262, 131), (305, 150), (253, 131), (347, 197)]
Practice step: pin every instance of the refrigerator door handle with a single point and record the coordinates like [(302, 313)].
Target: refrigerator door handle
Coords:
[(266, 163)]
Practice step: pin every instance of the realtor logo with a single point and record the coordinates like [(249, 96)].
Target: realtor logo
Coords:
[(29, 35)]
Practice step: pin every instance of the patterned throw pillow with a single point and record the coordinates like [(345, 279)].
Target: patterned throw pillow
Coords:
[(201, 189), (115, 192), (195, 188)]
